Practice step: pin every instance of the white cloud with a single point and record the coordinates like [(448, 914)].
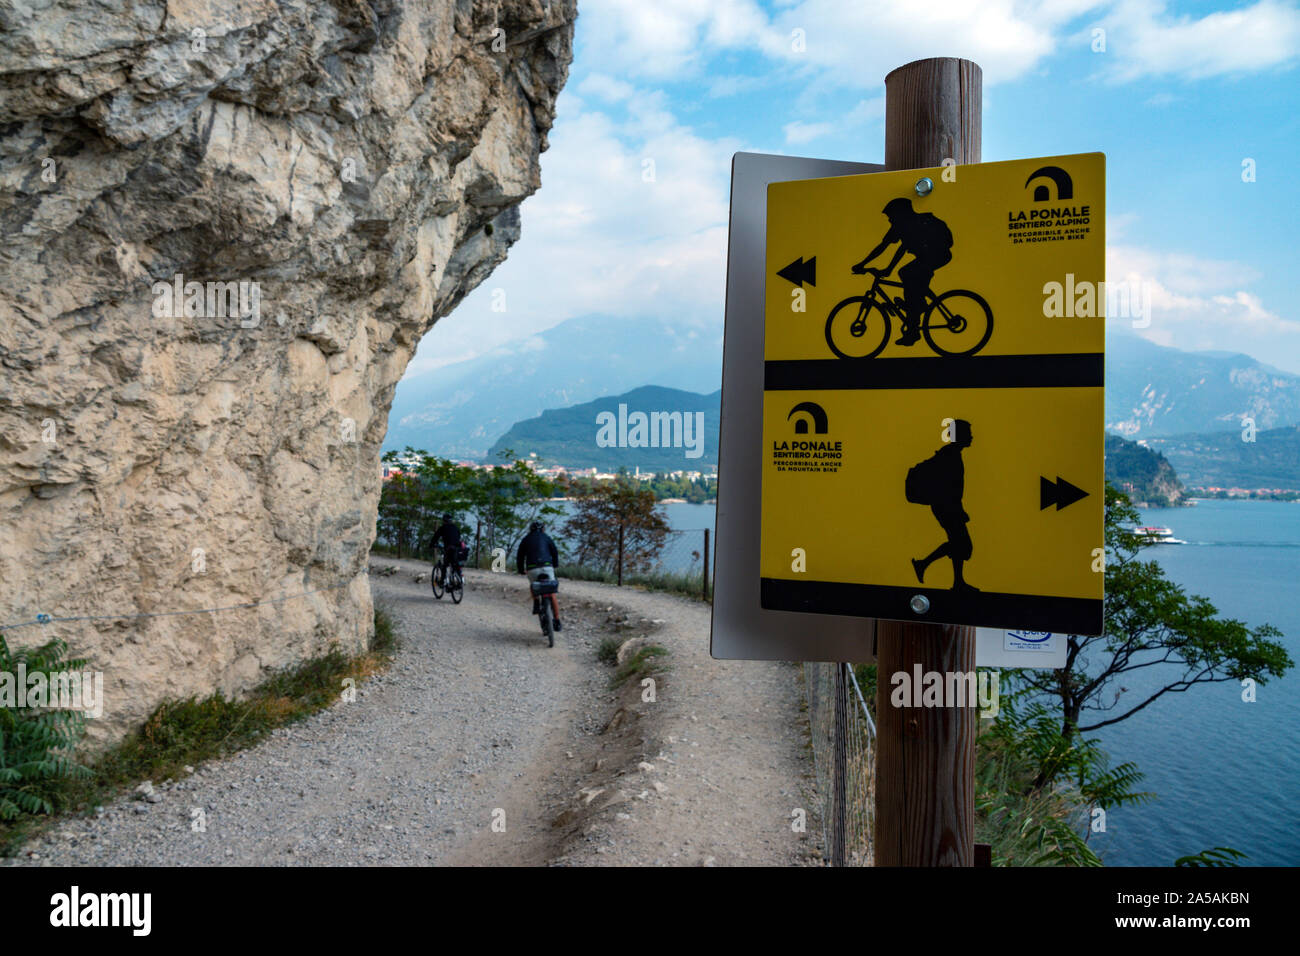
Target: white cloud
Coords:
[(631, 220), (1117, 224), (854, 44), (667, 39), (605, 87), (1199, 303), (866, 110), (733, 84), (600, 238), (800, 132), (1144, 39)]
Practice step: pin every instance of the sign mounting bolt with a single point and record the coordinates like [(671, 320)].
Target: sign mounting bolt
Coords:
[(924, 185), (920, 603)]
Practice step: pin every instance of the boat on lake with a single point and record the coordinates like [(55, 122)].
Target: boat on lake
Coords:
[(1154, 534)]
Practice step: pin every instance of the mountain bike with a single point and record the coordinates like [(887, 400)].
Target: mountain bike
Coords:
[(958, 322), (447, 579), (542, 589)]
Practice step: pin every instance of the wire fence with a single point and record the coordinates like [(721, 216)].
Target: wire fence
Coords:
[(683, 563), (844, 760), (683, 552)]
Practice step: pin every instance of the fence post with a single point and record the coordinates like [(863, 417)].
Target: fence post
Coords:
[(620, 554), (839, 780), (706, 564)]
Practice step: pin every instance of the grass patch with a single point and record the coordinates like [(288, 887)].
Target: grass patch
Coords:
[(384, 643), (641, 664), (685, 583), (607, 652), (186, 732)]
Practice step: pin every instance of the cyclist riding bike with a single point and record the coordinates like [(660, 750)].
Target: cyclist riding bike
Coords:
[(929, 240), (537, 556), (448, 537)]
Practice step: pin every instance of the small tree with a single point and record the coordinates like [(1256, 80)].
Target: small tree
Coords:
[(1028, 823), (1150, 622), (399, 518), (507, 500), (412, 503), (604, 509), (446, 488)]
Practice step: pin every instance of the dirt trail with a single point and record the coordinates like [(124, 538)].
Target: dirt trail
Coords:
[(481, 746)]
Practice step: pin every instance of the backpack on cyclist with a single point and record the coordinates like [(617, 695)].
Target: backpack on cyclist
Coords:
[(933, 233), (921, 481), (545, 584)]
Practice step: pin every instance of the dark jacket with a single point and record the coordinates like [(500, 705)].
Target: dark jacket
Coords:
[(535, 550), (448, 535)]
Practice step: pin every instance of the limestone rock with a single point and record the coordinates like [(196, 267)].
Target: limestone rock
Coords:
[(226, 226)]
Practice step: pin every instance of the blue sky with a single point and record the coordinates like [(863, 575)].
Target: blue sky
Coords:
[(1181, 95)]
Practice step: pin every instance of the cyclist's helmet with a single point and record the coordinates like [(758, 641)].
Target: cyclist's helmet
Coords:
[(898, 207), (447, 519), (535, 526)]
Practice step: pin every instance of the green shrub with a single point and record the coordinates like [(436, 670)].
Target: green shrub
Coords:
[(1219, 856), (640, 664), (607, 652), (36, 744), (179, 733)]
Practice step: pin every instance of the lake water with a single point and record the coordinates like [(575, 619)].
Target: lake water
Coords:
[(681, 552), (1226, 773)]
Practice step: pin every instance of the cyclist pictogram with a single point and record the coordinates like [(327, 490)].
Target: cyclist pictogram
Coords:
[(957, 322)]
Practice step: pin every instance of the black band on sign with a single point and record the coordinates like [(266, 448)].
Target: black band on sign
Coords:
[(1060, 615), (1066, 370)]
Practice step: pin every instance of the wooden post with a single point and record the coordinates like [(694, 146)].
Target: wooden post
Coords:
[(925, 756), (620, 554), (478, 534), (839, 769), (706, 564)]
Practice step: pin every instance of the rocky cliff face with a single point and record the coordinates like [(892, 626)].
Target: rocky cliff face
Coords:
[(226, 226), (1142, 473)]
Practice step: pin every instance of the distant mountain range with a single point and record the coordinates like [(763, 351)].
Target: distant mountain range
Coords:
[(1152, 390), (460, 410), (1227, 460), (677, 430)]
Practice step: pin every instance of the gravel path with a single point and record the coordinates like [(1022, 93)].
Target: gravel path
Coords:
[(480, 745)]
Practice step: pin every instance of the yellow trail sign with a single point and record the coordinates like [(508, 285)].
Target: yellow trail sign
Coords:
[(933, 409)]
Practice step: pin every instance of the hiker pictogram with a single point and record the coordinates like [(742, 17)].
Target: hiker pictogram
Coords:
[(940, 482)]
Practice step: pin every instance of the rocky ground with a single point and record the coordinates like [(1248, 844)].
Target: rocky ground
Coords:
[(481, 746)]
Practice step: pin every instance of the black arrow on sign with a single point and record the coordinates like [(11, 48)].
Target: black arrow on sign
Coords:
[(1060, 493), (800, 272)]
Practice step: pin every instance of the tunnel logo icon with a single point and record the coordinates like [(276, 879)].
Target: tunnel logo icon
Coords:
[(1058, 176), (809, 413)]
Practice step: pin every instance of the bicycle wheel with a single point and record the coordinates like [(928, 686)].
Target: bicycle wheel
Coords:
[(456, 586), (966, 322), (857, 328), (435, 580), (548, 627)]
